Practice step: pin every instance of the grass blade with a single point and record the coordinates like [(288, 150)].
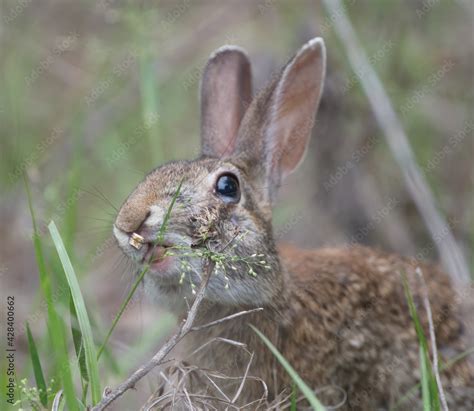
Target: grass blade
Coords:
[(150, 103), (307, 391), (82, 316), (37, 369), (55, 325), (164, 226), (414, 315), (425, 381), (444, 367), (428, 382), (294, 396), (77, 340)]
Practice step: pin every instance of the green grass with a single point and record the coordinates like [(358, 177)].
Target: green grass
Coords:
[(37, 368), (81, 328), (55, 325), (294, 397), (404, 398), (429, 387), (83, 318), (302, 386)]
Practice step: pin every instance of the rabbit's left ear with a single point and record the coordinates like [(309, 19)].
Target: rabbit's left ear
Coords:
[(226, 90), (277, 127)]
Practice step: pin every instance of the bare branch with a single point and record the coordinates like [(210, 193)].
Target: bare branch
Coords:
[(451, 256), (244, 378), (223, 319)]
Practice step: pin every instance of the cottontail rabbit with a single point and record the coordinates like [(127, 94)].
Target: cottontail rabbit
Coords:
[(339, 316)]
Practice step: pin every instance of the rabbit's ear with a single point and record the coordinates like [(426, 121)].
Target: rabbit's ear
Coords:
[(276, 129), (226, 91)]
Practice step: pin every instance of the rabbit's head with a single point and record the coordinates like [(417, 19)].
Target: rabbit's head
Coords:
[(222, 200)]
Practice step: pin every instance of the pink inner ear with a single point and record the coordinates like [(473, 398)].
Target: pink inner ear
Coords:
[(224, 123), (225, 92), (297, 123), (296, 99)]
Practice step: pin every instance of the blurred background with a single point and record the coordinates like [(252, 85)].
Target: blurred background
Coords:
[(97, 93)]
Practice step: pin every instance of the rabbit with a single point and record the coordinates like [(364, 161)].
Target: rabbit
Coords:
[(338, 315)]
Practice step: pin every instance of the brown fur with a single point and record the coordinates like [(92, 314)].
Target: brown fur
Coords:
[(343, 321)]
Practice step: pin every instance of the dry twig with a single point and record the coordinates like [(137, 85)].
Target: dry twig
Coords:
[(180, 382), (221, 320)]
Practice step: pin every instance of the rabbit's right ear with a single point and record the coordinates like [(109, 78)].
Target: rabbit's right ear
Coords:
[(226, 91), (276, 129)]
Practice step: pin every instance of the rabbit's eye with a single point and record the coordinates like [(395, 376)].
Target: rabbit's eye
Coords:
[(227, 187)]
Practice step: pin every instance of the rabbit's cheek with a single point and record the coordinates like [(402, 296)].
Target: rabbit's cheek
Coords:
[(163, 265)]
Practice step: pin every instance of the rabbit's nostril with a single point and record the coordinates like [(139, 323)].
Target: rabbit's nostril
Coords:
[(136, 241), (142, 223)]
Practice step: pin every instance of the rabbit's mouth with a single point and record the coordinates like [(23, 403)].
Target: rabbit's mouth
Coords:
[(157, 257)]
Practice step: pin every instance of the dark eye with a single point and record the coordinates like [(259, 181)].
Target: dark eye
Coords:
[(227, 187)]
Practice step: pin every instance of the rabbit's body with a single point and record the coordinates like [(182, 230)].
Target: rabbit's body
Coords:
[(339, 316), (342, 321)]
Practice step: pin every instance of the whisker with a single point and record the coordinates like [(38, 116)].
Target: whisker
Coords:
[(106, 199), (96, 230), (137, 171), (101, 196), (99, 219)]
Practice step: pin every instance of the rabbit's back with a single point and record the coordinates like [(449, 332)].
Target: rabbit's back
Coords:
[(349, 324)]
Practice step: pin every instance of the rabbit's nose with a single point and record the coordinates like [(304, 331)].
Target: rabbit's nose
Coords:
[(142, 221), (134, 232), (130, 219), (130, 233)]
